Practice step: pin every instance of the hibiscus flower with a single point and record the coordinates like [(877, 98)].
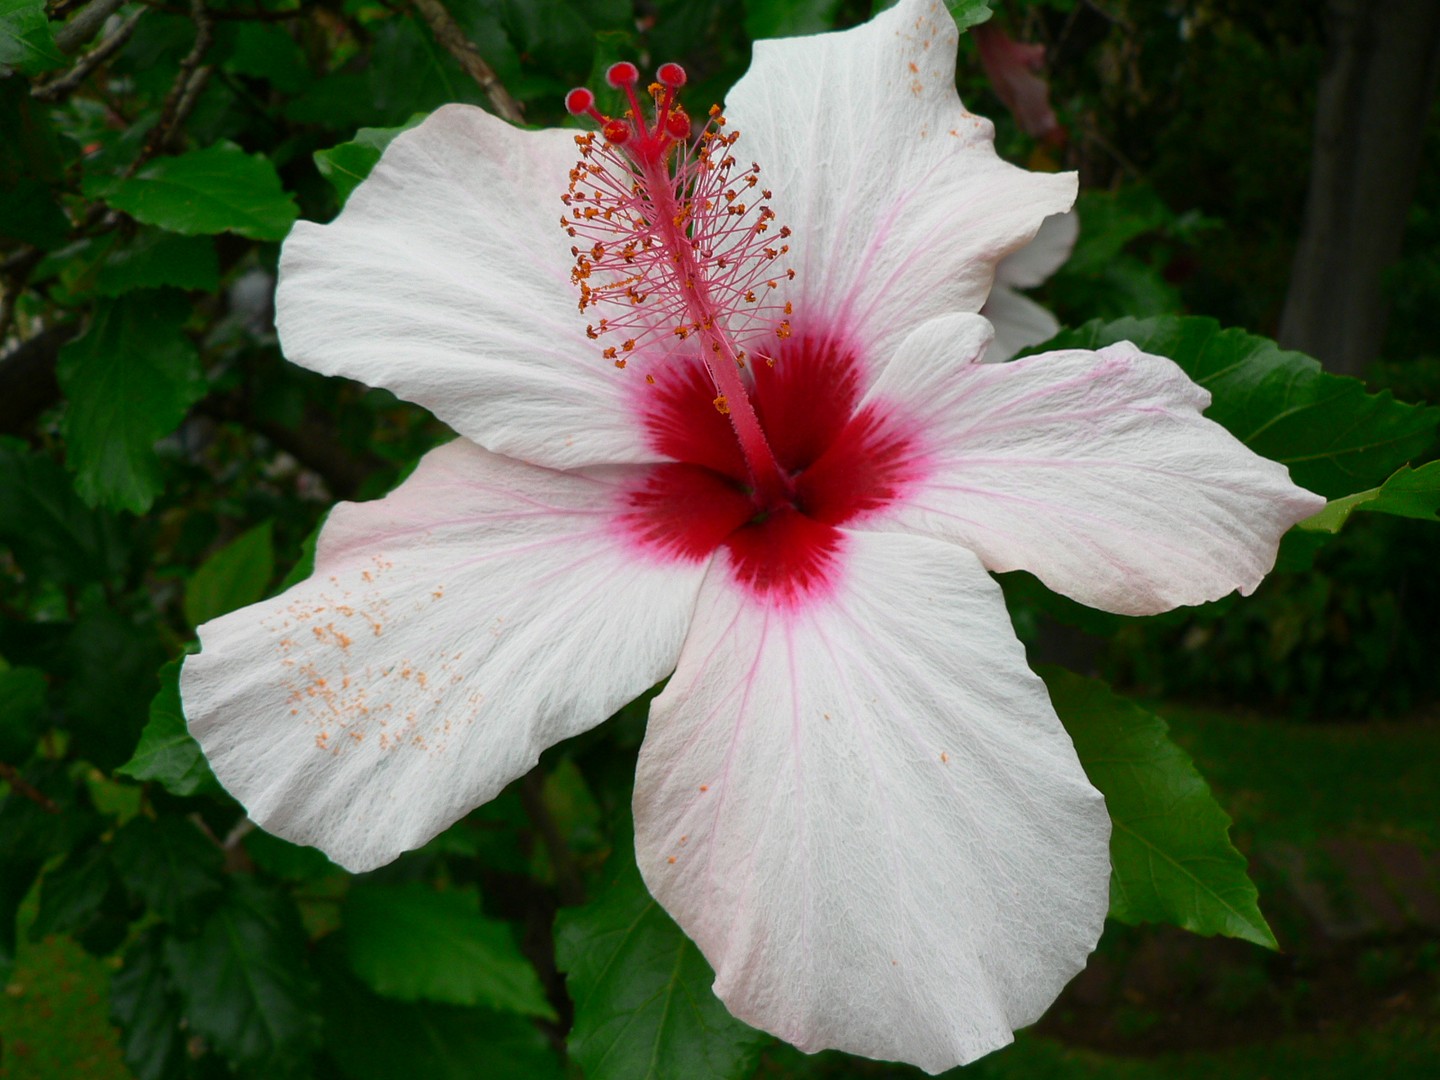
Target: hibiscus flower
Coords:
[(853, 793)]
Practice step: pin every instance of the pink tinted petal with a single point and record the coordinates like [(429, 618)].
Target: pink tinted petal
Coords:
[(452, 630), (446, 280), (1033, 264), (899, 205), (1095, 471), (1019, 322), (866, 814)]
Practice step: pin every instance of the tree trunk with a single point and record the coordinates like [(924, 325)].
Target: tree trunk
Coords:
[(1382, 63)]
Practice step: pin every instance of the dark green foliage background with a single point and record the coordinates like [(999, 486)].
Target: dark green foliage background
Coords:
[(161, 463)]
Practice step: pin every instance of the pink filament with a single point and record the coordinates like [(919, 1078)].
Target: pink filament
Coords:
[(678, 246)]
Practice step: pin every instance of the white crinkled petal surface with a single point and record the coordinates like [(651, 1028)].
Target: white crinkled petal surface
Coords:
[(451, 631), (867, 815), (1095, 471), (446, 279), (900, 207)]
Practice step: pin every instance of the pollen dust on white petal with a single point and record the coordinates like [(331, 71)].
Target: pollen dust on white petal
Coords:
[(930, 41), (341, 681)]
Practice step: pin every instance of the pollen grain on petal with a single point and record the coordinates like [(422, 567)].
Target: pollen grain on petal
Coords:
[(343, 692)]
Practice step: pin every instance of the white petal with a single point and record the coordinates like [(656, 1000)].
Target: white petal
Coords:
[(1019, 322), (446, 280), (481, 612), (1033, 264), (899, 205), (1095, 471), (867, 815)]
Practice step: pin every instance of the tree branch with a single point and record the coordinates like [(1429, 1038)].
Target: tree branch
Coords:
[(453, 40), (59, 88), (85, 25), (190, 79), (1382, 67), (25, 790)]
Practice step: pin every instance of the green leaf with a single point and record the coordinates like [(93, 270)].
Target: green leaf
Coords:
[(218, 189), (292, 862), (350, 162), (233, 577), (265, 51), (29, 146), (406, 72), (129, 380), (244, 983), (969, 13), (1170, 851), (26, 41), (22, 706), (1111, 219), (154, 259), (1101, 276), (169, 866), (644, 1009), (375, 1038), (168, 753), (1335, 438), (16, 877), (30, 832), (107, 668), (72, 893), (412, 943), (788, 18), (146, 1008), (1413, 493), (29, 213), (54, 535), (305, 564), (551, 36)]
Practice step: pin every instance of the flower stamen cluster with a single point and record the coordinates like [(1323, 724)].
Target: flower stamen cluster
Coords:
[(677, 240), (678, 243)]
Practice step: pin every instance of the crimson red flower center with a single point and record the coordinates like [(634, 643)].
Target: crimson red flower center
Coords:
[(843, 461)]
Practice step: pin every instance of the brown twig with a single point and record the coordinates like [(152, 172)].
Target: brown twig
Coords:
[(58, 10), (453, 40), (20, 786), (86, 24), (59, 88), (190, 79)]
